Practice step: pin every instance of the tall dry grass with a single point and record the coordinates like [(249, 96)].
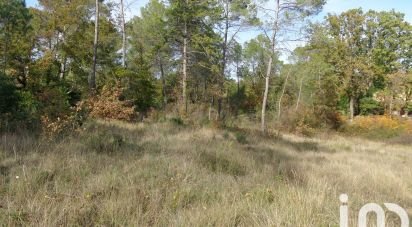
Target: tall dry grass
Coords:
[(170, 174)]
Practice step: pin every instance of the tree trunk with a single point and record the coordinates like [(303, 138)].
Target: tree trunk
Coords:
[(92, 77), (224, 62), (162, 75), (211, 108), (123, 34), (5, 59), (265, 96), (238, 78), (391, 106), (184, 79), (5, 52), (281, 95), (269, 68), (300, 94), (62, 68), (351, 108)]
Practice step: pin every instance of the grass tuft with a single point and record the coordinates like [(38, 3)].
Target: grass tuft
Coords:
[(104, 142), (221, 164)]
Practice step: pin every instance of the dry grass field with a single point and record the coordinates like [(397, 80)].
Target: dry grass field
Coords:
[(169, 174)]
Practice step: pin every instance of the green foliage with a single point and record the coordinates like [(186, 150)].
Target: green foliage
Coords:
[(409, 107), (354, 59), (9, 97), (369, 106), (140, 87), (15, 39), (18, 109), (54, 102), (241, 137)]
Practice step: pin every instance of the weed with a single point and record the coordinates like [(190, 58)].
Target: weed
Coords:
[(104, 142), (177, 121), (241, 137), (220, 163)]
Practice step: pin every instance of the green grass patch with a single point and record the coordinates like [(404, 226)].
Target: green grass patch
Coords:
[(222, 164)]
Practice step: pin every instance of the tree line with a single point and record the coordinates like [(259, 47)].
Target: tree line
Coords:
[(185, 57)]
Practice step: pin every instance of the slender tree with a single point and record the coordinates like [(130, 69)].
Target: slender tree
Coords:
[(123, 27), (236, 16), (92, 77), (284, 13)]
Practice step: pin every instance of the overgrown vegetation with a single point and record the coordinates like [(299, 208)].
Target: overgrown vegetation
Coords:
[(114, 173), (168, 120), (60, 64)]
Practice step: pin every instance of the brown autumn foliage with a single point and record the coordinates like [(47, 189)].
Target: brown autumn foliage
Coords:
[(110, 105)]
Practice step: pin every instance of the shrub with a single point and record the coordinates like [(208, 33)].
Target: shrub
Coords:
[(369, 106), (378, 127), (177, 121), (104, 142), (18, 109), (54, 102), (305, 121), (141, 89), (241, 137), (9, 97), (63, 125), (111, 106)]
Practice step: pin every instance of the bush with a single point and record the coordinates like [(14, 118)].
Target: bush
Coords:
[(141, 89), (104, 142), (177, 121), (305, 121), (110, 105), (54, 102), (219, 163), (241, 137), (66, 124), (18, 109), (369, 106), (378, 127), (9, 97)]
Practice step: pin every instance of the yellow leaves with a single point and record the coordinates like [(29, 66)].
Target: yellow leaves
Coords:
[(382, 122), (370, 122)]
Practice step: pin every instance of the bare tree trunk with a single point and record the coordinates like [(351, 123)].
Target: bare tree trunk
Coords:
[(62, 68), (238, 78), (211, 108), (269, 68), (351, 108), (92, 77), (224, 58), (162, 75), (184, 79), (281, 95), (60, 57), (391, 106), (265, 96), (300, 94), (26, 72), (5, 51), (123, 34), (5, 59)]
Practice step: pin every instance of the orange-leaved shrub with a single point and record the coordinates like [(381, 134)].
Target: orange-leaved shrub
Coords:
[(67, 123), (378, 127), (110, 105)]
